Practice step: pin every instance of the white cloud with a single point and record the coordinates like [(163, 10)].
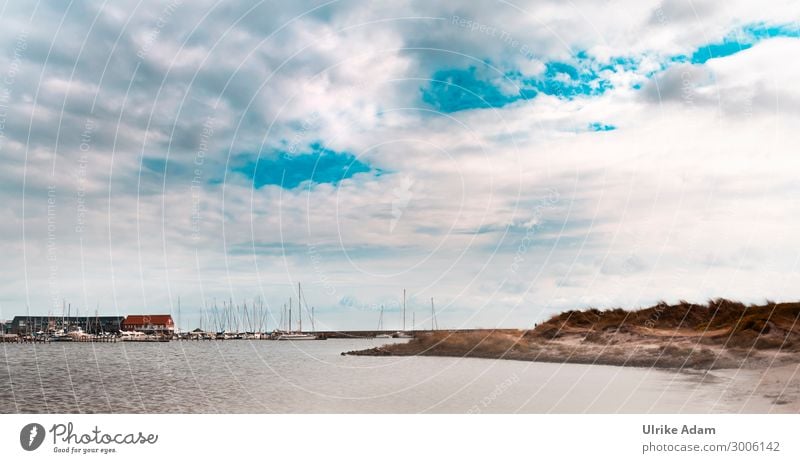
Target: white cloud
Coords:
[(690, 197)]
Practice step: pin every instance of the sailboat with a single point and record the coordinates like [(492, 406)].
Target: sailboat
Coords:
[(380, 327), (63, 333), (403, 334), (298, 335)]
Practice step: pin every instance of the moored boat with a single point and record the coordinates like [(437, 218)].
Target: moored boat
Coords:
[(296, 337), (61, 336), (138, 336)]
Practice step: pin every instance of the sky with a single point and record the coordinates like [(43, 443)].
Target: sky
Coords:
[(510, 160)]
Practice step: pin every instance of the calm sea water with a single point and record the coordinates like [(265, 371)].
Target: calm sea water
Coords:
[(312, 376)]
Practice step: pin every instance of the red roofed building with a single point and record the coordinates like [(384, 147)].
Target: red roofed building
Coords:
[(149, 324)]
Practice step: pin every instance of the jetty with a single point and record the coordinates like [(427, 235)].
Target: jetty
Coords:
[(14, 338)]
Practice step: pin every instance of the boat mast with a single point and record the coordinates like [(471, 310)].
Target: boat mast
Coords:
[(299, 310), (224, 319), (216, 315), (404, 309), (290, 315), (260, 315), (433, 316)]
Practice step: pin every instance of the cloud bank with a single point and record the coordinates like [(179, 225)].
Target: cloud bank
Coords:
[(509, 159)]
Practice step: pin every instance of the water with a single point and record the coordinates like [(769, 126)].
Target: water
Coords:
[(312, 377)]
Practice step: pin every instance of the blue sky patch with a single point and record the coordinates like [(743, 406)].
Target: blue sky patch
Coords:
[(320, 165), (454, 90), (742, 40), (154, 164), (727, 47), (567, 81), (600, 127), (761, 31)]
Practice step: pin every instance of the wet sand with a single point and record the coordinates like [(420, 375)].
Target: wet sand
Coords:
[(727, 381)]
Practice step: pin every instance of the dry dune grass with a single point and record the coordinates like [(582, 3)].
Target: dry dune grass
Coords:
[(719, 322)]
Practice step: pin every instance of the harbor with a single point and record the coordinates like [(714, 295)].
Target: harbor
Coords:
[(213, 336), (228, 322)]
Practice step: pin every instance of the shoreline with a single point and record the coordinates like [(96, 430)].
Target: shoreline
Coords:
[(765, 382), (756, 347), (502, 345)]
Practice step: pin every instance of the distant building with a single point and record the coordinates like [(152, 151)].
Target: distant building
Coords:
[(31, 324), (149, 324)]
